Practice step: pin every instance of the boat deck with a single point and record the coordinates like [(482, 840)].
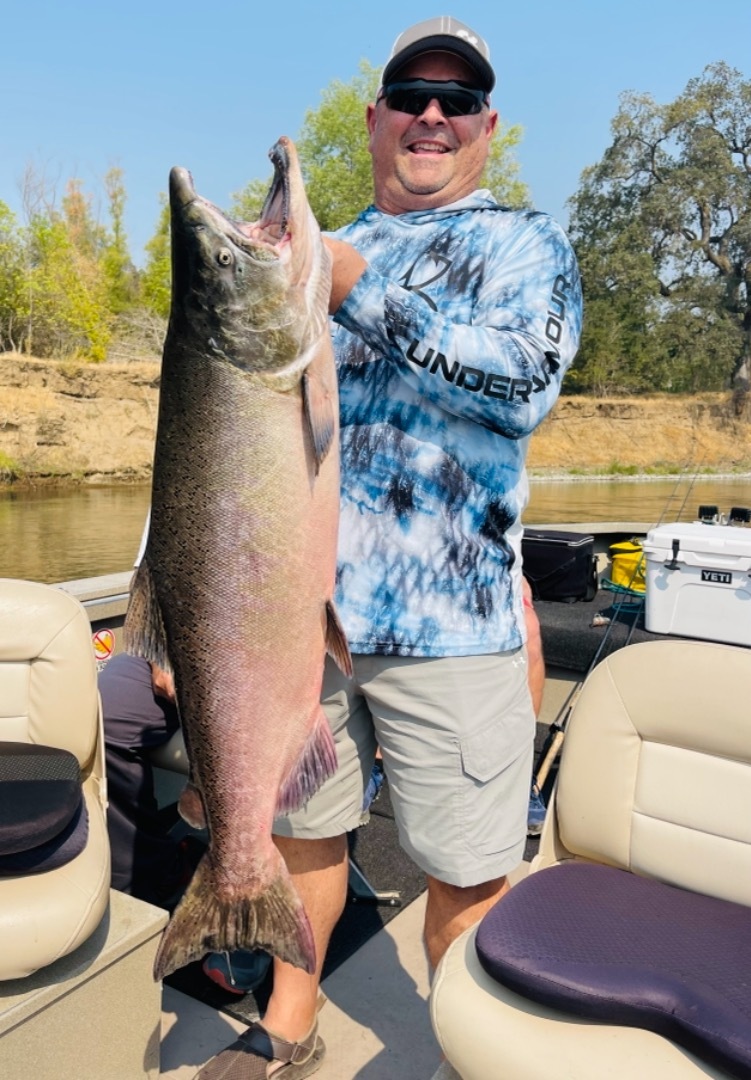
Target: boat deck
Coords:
[(375, 1023)]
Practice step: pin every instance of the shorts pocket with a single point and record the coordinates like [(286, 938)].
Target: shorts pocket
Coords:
[(497, 769), (487, 752)]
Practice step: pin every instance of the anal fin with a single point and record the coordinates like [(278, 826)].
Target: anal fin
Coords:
[(314, 766)]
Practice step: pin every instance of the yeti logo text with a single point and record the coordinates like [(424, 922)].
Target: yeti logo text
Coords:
[(717, 577)]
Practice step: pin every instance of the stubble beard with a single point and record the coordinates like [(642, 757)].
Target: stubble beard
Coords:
[(423, 183)]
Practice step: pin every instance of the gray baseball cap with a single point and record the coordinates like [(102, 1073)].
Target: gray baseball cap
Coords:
[(442, 34)]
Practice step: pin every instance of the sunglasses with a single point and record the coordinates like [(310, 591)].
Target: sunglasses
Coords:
[(414, 95)]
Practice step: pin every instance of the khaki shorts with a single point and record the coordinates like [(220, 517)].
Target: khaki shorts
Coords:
[(456, 735)]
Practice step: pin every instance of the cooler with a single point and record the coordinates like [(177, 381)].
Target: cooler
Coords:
[(699, 582)]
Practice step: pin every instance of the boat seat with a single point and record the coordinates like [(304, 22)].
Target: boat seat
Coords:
[(626, 951), (49, 698)]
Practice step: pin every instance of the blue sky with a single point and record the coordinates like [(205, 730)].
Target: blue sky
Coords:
[(211, 86)]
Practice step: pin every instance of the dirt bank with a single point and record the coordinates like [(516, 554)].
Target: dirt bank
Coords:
[(65, 422)]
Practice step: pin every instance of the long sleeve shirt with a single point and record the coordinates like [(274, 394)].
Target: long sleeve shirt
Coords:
[(450, 350)]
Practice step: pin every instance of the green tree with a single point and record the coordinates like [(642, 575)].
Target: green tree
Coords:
[(156, 276), (12, 305), (118, 269), (68, 312), (662, 227)]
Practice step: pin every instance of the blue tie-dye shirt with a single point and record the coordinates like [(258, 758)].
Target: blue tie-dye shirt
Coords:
[(450, 349)]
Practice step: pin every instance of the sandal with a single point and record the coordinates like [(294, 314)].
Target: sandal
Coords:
[(258, 1055)]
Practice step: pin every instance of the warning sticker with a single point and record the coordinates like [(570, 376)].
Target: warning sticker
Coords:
[(104, 644)]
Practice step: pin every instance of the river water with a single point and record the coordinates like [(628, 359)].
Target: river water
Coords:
[(87, 531)]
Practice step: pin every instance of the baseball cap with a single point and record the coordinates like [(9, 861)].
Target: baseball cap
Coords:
[(442, 34)]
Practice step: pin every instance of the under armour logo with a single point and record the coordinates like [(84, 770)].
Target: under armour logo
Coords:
[(427, 268), (467, 37)]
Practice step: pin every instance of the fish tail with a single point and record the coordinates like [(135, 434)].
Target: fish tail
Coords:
[(204, 921)]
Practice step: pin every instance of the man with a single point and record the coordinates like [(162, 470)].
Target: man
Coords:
[(455, 321)]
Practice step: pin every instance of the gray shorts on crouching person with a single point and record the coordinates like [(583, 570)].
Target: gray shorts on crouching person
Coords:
[(456, 734)]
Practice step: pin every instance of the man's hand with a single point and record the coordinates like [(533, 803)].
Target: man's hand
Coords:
[(348, 267), (162, 683)]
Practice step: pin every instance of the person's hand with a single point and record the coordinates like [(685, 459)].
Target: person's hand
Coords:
[(347, 268), (162, 683)]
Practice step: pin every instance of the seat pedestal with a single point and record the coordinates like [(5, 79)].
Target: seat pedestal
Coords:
[(95, 1013)]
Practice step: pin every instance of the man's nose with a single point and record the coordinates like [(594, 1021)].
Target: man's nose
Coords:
[(433, 113)]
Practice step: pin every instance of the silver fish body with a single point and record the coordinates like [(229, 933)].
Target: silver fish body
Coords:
[(234, 593)]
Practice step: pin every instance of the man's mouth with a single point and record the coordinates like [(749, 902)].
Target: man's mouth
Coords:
[(427, 147)]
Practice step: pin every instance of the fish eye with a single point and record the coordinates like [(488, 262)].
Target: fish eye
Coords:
[(224, 256)]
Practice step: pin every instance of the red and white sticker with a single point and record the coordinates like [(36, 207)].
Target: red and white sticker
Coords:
[(104, 644)]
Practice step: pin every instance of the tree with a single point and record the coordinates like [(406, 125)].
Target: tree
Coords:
[(68, 308), (11, 281), (662, 227), (119, 272), (156, 276), (336, 166)]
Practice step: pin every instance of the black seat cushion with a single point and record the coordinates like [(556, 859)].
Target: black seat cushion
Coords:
[(43, 819), (608, 945)]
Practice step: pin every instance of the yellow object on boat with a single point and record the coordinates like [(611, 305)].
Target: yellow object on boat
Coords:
[(628, 565)]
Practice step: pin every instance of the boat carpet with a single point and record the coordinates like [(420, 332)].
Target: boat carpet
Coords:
[(569, 638)]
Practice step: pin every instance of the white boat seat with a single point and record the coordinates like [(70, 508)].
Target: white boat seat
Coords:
[(49, 698), (654, 794)]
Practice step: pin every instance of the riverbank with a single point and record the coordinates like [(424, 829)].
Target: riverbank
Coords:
[(65, 423)]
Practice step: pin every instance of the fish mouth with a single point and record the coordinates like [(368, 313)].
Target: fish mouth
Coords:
[(267, 236)]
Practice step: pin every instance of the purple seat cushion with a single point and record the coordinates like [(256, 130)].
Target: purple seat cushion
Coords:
[(608, 945), (43, 818)]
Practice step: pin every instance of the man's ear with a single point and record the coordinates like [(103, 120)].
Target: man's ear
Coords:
[(370, 117)]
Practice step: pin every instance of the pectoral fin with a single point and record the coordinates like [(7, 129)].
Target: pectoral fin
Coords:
[(318, 404), (336, 642)]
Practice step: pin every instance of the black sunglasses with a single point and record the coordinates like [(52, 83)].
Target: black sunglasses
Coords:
[(414, 95)]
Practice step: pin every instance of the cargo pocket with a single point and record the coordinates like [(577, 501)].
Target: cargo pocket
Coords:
[(496, 766)]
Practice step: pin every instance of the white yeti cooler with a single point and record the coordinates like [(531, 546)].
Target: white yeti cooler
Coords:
[(699, 582)]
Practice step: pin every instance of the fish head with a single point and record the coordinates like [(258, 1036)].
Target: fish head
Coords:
[(254, 293)]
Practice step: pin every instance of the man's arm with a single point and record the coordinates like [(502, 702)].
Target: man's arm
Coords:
[(347, 267), (503, 365)]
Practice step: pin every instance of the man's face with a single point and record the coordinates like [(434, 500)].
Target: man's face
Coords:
[(420, 162)]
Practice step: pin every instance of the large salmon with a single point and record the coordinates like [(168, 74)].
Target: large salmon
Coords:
[(234, 592)]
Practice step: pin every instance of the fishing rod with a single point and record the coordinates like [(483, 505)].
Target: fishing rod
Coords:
[(557, 730)]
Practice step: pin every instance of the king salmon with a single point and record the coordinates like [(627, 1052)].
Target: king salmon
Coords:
[(234, 591)]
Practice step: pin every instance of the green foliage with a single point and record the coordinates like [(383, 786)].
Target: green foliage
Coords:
[(501, 173), (67, 296), (64, 277), (119, 271), (333, 149), (11, 281), (662, 228), (156, 277), (248, 203)]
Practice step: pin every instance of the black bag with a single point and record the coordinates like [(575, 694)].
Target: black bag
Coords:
[(559, 565)]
